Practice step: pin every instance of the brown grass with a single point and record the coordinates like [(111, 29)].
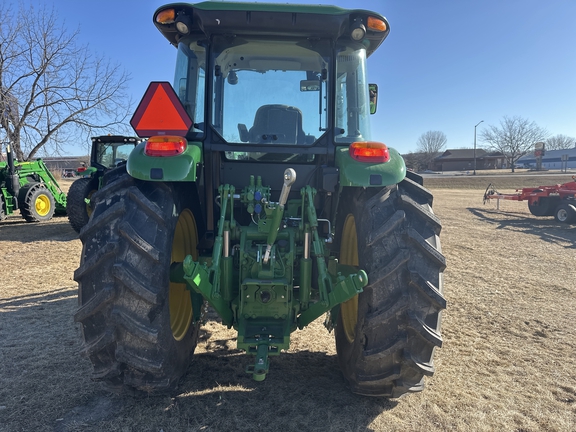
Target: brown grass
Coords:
[(502, 180), (57, 174), (507, 361)]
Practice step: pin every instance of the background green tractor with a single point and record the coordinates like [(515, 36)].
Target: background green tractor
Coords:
[(107, 152), (31, 188), (260, 193)]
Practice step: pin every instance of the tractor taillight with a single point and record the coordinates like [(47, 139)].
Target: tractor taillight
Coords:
[(371, 152), (162, 146)]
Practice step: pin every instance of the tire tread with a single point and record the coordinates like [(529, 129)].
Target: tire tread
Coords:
[(123, 283), (399, 312)]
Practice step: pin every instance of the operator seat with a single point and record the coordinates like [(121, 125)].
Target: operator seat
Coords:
[(277, 123)]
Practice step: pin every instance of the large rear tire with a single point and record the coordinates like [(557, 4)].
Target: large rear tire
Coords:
[(386, 336), (37, 203), (138, 328), (76, 207)]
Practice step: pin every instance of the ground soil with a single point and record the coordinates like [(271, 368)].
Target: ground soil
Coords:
[(507, 363)]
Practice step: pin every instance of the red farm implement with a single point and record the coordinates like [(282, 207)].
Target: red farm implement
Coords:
[(556, 200)]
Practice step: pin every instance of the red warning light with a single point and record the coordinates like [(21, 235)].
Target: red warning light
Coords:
[(369, 151), (160, 112)]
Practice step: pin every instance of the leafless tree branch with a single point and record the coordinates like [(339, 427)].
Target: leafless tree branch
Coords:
[(429, 145), (514, 138), (52, 90), (560, 142)]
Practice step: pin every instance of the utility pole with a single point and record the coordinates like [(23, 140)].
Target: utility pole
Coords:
[(475, 145)]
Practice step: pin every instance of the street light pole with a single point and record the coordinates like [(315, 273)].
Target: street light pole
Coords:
[(475, 145)]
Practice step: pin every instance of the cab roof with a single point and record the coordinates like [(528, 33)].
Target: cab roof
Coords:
[(269, 19)]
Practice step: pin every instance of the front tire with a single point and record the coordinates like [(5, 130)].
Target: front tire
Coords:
[(37, 203), (138, 328), (76, 207), (386, 336)]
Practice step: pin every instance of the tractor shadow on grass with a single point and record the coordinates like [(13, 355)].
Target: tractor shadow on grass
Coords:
[(16, 229), (38, 299), (303, 390), (547, 229)]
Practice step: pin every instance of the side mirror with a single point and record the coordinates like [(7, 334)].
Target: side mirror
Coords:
[(373, 97)]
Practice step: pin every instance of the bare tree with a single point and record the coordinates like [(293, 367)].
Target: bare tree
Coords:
[(430, 144), (560, 142), (514, 138), (52, 90)]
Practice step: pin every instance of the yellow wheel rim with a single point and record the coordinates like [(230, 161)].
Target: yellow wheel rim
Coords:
[(42, 205), (349, 256), (184, 243)]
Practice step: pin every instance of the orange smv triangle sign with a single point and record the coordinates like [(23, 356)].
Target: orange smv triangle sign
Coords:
[(160, 112)]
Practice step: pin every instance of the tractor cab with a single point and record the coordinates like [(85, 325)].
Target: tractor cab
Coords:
[(273, 83), (109, 151)]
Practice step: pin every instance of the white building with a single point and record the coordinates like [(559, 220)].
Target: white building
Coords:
[(552, 159)]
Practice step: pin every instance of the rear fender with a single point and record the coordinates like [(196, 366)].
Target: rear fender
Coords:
[(354, 173), (174, 168)]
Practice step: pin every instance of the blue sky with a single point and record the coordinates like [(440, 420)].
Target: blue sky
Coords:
[(446, 65)]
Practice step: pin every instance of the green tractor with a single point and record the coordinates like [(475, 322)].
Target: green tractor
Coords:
[(107, 152), (31, 188), (260, 193)]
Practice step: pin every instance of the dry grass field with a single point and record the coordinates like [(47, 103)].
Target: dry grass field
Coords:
[(507, 363)]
